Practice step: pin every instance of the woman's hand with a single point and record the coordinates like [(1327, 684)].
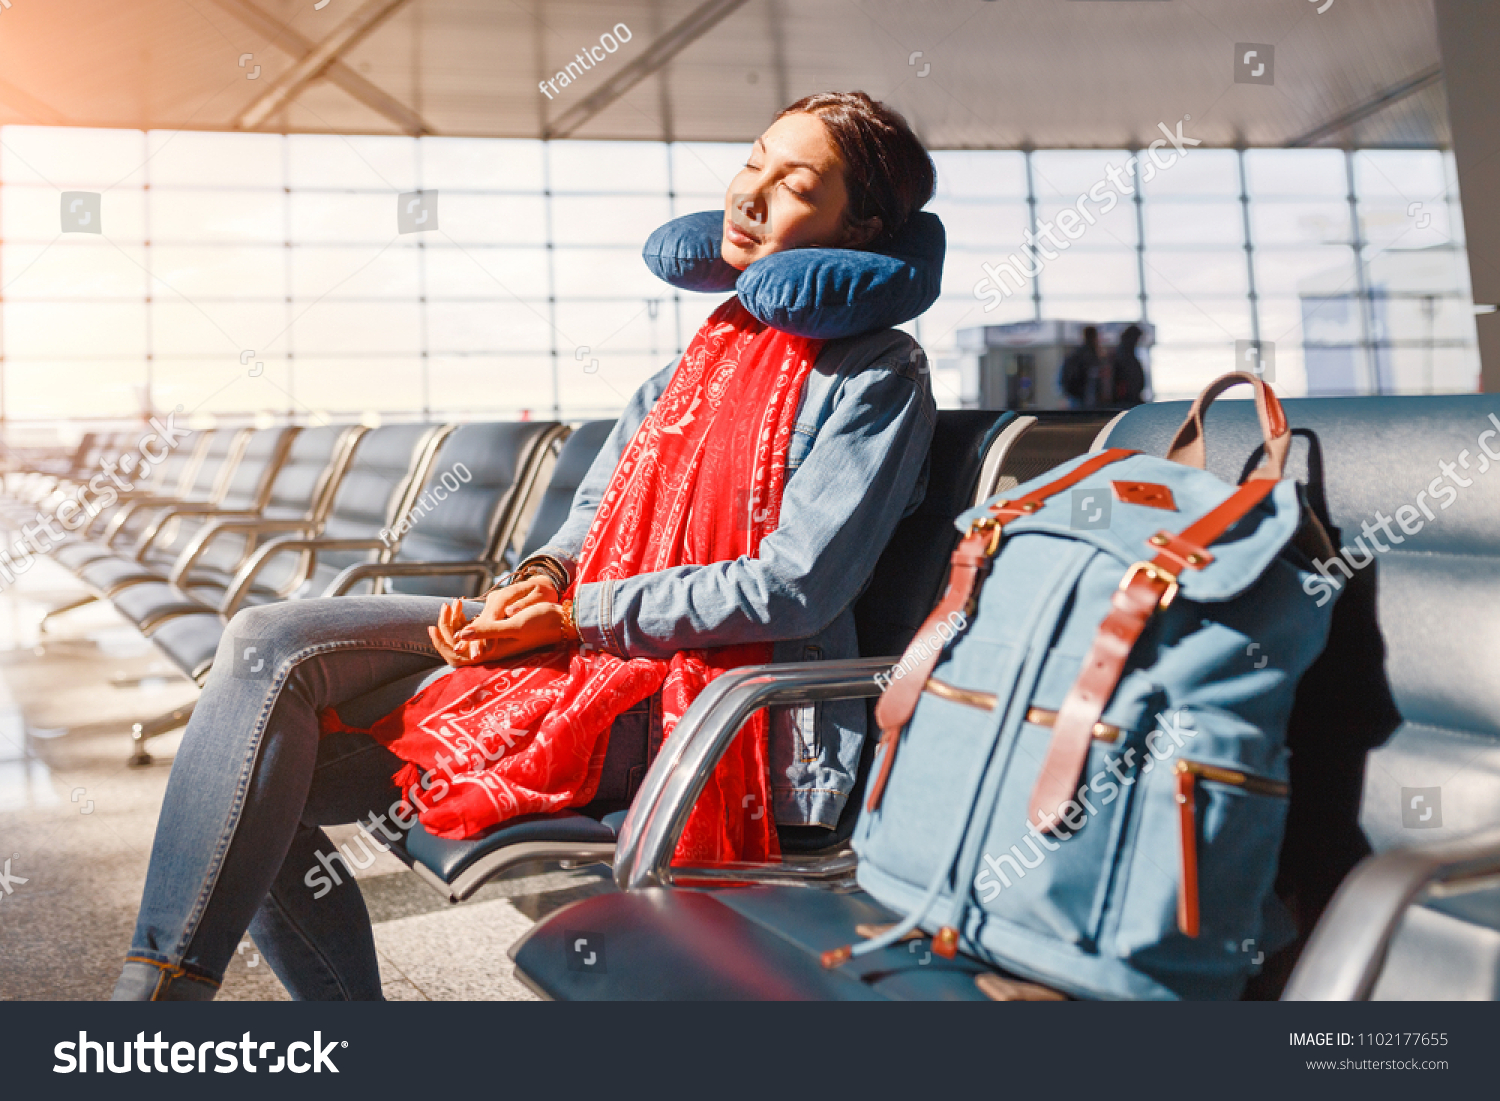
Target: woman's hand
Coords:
[(517, 618)]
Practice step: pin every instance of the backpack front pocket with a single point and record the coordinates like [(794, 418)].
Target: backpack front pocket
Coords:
[(1058, 882), (1195, 922)]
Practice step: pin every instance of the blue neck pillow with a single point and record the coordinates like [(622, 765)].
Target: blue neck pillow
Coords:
[(823, 293)]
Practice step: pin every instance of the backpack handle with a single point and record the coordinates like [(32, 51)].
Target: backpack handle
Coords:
[(1188, 447)]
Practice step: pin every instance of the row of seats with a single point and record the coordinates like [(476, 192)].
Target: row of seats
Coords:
[(1392, 905), (240, 517)]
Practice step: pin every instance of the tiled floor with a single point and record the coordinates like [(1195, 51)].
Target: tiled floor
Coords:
[(76, 824)]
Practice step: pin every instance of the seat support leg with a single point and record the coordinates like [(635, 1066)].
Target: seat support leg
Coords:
[(142, 732), (68, 607)]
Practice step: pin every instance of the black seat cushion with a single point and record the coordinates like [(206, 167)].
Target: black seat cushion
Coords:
[(476, 472), (573, 463), (151, 600), (736, 944), (190, 641), (450, 859), (908, 578)]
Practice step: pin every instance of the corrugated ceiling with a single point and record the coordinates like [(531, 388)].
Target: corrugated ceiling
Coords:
[(1004, 74)]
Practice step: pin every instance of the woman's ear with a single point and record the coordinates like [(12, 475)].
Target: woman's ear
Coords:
[(858, 234)]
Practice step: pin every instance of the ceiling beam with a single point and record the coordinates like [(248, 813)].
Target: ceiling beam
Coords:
[(34, 109), (320, 60), (694, 26), (1374, 105), (371, 95)]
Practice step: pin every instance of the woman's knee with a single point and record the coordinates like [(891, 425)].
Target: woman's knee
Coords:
[(276, 632)]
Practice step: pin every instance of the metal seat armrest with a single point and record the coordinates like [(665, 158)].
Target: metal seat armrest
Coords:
[(363, 571), (1347, 950), (160, 520), (648, 836), (239, 588), (128, 509), (212, 530)]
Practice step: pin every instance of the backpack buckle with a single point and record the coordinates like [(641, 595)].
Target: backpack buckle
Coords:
[(1153, 573), (991, 525)]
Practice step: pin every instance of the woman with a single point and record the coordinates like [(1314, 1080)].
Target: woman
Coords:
[(733, 516)]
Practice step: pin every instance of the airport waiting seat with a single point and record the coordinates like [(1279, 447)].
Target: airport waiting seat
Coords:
[(461, 524), (44, 492), (394, 475), (172, 528), (151, 590), (59, 461), (968, 456), (217, 458), (1395, 765)]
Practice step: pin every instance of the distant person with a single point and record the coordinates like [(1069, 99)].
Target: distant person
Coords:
[(1082, 372), (1128, 380)]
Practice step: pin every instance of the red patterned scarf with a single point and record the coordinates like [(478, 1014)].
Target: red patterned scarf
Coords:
[(700, 482)]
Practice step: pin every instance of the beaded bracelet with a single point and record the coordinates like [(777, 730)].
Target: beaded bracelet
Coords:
[(569, 628)]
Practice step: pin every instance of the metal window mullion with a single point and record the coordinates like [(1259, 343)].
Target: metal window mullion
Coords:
[(1249, 238), (288, 276), (3, 410), (1362, 282), (551, 276), (150, 401), (1036, 280), (422, 295), (1140, 244)]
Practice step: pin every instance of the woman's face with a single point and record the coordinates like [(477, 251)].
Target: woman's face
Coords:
[(790, 194)]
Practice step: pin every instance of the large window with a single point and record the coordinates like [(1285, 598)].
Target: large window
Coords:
[(267, 275)]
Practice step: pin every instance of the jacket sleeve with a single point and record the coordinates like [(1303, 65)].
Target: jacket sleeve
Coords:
[(566, 544), (863, 472)]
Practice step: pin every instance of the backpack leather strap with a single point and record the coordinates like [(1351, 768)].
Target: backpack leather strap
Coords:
[(1146, 587), (969, 562)]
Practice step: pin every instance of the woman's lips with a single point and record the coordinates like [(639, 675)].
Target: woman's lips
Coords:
[(738, 237)]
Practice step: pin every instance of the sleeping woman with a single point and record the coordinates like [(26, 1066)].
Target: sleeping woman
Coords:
[(732, 517)]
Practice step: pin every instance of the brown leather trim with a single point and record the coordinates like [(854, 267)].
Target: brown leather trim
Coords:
[(1146, 494), (985, 701), (970, 561), (997, 988), (1103, 732), (1146, 587), (1187, 446)]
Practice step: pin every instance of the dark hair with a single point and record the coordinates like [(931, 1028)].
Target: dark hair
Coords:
[(887, 171), (1090, 335), (1131, 336)]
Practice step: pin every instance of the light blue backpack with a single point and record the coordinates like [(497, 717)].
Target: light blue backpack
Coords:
[(1083, 772)]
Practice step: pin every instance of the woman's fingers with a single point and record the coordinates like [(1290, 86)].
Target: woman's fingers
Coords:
[(439, 644), (450, 621), (535, 596)]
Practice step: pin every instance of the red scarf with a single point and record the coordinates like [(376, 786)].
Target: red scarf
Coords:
[(700, 482)]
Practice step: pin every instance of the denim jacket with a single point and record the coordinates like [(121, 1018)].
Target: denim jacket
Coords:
[(857, 464)]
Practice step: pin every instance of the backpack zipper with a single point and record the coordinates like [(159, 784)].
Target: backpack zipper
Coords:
[(1187, 773)]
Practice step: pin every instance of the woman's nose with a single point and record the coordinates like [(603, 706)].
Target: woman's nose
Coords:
[(751, 208)]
